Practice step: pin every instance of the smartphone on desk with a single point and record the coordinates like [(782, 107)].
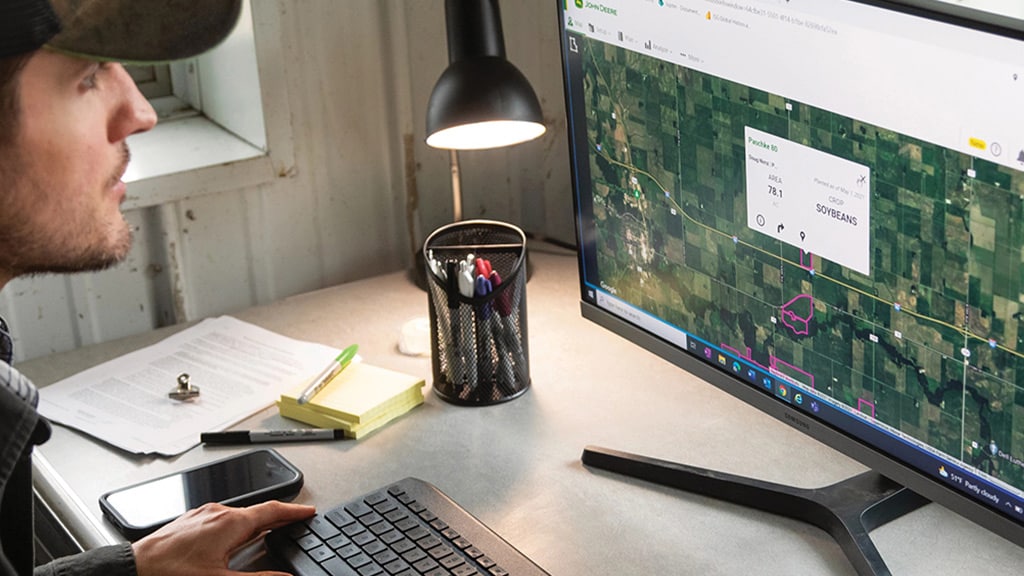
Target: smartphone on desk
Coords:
[(240, 480)]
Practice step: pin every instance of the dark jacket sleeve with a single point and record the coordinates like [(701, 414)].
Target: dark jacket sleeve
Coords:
[(115, 560)]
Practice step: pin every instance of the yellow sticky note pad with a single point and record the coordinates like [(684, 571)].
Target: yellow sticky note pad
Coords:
[(320, 420), (360, 393)]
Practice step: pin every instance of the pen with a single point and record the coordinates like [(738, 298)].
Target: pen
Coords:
[(267, 436), (332, 370), (452, 344), (468, 342)]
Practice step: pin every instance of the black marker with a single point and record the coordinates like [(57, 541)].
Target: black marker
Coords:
[(268, 436)]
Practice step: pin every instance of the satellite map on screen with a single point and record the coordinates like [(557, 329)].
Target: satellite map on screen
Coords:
[(880, 270)]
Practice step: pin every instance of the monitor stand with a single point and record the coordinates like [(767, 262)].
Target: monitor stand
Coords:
[(847, 510)]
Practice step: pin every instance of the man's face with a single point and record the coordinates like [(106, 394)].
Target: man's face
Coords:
[(60, 176)]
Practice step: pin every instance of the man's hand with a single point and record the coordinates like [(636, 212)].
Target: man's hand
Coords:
[(201, 541)]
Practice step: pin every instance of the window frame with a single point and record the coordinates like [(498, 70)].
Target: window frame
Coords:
[(208, 139)]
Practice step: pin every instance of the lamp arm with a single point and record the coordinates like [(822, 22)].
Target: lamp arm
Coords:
[(453, 160)]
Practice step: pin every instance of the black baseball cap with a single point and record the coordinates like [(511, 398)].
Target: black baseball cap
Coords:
[(120, 30)]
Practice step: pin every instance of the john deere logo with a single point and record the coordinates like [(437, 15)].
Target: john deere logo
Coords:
[(579, 3)]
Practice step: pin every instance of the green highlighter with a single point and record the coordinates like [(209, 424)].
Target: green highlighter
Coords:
[(328, 373)]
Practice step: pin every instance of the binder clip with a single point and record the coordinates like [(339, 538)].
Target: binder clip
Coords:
[(184, 391)]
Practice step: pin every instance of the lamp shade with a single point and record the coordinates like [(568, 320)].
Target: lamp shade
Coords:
[(481, 100)]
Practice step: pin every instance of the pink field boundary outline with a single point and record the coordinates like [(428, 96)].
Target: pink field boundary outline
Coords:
[(801, 326), (746, 356), (809, 265), (775, 370)]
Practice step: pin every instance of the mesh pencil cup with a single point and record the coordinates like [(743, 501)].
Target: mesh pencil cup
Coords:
[(476, 282)]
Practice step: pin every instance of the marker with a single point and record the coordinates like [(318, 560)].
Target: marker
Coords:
[(332, 370), (267, 436)]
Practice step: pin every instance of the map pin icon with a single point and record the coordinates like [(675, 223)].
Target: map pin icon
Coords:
[(802, 235)]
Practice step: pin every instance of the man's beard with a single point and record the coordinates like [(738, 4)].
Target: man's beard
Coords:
[(27, 250), (29, 260), (89, 259)]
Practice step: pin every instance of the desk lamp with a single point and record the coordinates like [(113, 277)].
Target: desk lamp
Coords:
[(481, 100)]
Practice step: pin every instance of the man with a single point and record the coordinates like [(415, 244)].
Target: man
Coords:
[(66, 107)]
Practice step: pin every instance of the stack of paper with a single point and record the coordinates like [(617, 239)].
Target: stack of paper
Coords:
[(359, 400), (239, 369)]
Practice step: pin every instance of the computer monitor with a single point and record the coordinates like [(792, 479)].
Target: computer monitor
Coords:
[(818, 206)]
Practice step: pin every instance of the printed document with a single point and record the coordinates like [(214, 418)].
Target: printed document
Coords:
[(239, 369)]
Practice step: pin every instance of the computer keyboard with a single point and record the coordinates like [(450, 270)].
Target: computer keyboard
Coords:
[(409, 528)]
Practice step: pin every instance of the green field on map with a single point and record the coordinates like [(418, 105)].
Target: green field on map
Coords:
[(928, 342)]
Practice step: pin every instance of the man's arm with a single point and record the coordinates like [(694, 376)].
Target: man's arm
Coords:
[(116, 560)]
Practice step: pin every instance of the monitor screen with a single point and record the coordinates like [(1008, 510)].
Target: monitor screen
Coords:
[(817, 205)]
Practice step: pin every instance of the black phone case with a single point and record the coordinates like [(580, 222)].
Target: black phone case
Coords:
[(283, 491)]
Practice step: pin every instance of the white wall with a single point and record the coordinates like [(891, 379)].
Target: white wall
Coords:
[(357, 76)]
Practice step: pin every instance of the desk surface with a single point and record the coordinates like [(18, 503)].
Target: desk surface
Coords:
[(516, 466)]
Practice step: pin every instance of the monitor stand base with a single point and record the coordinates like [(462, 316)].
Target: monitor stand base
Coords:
[(847, 510)]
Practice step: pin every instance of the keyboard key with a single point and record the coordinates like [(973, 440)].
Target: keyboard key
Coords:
[(348, 551), (438, 572), (353, 529), (391, 537), (417, 533), (465, 570), (371, 570), (395, 515), (450, 562), (406, 524), (339, 517), (370, 519), (336, 567), (324, 529), (449, 533), (486, 562), (396, 490), (385, 507), (375, 548), (397, 565), (403, 545), (375, 498), (439, 552), (425, 565), (308, 542), (358, 560), (498, 571), (338, 541), (417, 507), (362, 539), (461, 543), (320, 553), (473, 552), (358, 509), (429, 542), (383, 557), (413, 556)]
